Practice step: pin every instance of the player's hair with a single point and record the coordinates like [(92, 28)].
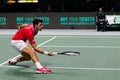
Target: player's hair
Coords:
[(36, 21)]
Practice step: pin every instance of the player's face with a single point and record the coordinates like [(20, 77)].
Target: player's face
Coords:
[(39, 26)]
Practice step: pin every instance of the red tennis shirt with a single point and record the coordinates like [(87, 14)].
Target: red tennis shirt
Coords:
[(26, 33)]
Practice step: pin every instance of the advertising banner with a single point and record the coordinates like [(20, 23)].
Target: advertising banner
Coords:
[(51, 20)]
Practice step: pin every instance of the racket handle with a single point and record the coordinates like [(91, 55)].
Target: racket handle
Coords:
[(55, 53)]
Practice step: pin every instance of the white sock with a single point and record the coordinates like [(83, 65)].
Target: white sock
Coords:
[(38, 65)]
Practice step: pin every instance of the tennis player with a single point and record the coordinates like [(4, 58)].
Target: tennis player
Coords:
[(27, 32)]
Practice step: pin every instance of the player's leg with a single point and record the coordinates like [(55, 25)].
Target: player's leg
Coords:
[(18, 45), (24, 57), (32, 54), (25, 50), (27, 53)]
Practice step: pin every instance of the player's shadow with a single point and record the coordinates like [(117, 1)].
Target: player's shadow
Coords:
[(25, 71), (21, 72)]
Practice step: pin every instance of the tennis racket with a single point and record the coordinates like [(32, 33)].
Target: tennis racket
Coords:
[(68, 53)]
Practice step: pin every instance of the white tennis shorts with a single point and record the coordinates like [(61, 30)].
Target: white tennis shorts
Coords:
[(18, 44)]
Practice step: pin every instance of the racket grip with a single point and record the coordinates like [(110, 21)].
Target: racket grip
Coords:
[(55, 53)]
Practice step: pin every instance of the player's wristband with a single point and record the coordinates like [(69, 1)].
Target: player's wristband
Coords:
[(45, 52)]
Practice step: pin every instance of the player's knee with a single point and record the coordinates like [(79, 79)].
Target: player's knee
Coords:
[(32, 53)]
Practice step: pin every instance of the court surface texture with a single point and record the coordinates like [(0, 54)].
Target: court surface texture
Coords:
[(99, 58)]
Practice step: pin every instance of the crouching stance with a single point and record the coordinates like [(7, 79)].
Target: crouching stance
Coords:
[(27, 32)]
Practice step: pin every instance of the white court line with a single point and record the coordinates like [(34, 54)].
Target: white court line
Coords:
[(7, 60), (74, 68), (71, 36), (12, 35), (81, 68), (46, 41), (37, 46), (86, 46), (86, 36)]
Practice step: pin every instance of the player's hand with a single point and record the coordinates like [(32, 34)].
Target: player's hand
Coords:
[(51, 53)]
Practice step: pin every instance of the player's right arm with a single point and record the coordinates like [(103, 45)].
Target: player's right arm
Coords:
[(39, 50), (34, 46)]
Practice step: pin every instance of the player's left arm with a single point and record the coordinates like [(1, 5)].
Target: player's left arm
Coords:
[(21, 26)]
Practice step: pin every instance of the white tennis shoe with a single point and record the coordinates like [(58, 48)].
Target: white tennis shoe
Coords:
[(12, 62)]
